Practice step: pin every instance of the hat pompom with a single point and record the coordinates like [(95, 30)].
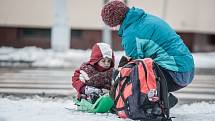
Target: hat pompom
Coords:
[(114, 12)]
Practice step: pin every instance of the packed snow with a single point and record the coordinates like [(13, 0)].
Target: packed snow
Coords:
[(48, 109)]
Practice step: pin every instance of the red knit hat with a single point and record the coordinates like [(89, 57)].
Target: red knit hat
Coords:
[(113, 13)]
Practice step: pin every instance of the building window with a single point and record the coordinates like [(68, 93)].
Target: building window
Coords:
[(34, 33), (76, 34), (211, 39)]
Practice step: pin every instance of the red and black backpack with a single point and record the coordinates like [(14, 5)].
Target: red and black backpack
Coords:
[(141, 92)]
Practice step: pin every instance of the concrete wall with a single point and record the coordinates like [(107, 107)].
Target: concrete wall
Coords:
[(26, 13), (183, 15), (192, 15), (85, 14)]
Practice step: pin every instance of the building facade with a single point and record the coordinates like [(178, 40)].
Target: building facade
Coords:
[(29, 22)]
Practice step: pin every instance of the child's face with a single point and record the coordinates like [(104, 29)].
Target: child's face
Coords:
[(105, 63)]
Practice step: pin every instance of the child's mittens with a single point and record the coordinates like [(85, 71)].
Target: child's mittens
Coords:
[(89, 90)]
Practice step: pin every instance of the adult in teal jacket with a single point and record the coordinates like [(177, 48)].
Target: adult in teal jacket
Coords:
[(147, 36)]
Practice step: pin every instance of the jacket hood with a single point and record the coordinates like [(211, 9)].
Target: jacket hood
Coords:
[(99, 51), (132, 16)]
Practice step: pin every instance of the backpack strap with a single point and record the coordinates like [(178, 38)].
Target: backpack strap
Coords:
[(120, 93), (126, 80), (145, 70), (163, 89)]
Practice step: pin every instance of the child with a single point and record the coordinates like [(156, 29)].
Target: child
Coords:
[(96, 74)]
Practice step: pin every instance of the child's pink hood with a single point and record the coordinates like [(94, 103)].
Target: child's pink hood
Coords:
[(99, 51)]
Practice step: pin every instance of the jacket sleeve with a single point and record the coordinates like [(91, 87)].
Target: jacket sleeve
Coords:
[(76, 82)]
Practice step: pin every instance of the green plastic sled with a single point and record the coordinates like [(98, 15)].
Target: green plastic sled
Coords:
[(102, 105)]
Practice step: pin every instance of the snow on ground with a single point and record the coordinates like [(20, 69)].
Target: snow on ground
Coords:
[(44, 57), (73, 57), (204, 60), (45, 109)]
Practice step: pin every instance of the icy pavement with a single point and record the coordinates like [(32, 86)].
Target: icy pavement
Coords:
[(47, 109), (50, 81)]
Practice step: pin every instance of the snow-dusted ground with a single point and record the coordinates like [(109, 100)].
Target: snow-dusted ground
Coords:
[(72, 58), (45, 109)]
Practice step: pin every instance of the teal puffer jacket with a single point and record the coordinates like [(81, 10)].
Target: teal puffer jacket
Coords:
[(147, 36)]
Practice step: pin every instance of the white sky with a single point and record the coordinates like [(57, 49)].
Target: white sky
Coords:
[(49, 58)]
